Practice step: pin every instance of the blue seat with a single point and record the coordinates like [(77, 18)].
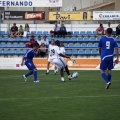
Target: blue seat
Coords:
[(65, 45), (118, 39), (24, 39), (94, 52), (61, 39), (9, 45), (88, 52), (69, 52), (67, 39), (33, 32), (80, 39), (71, 45), (5, 39), (18, 39), (76, 33), (114, 32), (84, 45), (90, 45), (11, 52), (75, 52), (45, 33), (77, 45), (98, 39), (81, 52), (94, 33), (74, 39), (95, 45), (1, 52), (21, 45), (119, 45), (89, 33), (18, 52), (86, 39), (39, 33), (23, 51), (5, 52), (82, 33), (15, 45), (93, 39), (49, 39), (1, 39), (12, 39), (2, 45), (2, 32)]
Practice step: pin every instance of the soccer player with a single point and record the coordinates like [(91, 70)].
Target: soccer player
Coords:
[(50, 52), (28, 60), (59, 62), (107, 44)]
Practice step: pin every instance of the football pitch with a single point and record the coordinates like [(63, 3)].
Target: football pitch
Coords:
[(82, 98)]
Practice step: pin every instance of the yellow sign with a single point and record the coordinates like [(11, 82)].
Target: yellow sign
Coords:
[(69, 15)]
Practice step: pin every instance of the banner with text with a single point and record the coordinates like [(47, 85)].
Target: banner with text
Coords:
[(106, 15), (30, 3), (24, 15), (69, 15)]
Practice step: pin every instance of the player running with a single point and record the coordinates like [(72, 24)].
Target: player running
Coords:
[(106, 50), (59, 62), (28, 60), (50, 52)]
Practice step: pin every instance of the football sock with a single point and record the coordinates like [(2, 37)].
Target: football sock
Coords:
[(109, 76), (105, 77), (30, 73), (35, 74), (47, 71)]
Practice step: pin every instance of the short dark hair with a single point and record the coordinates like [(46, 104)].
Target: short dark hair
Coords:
[(101, 24), (36, 45), (57, 42), (109, 31)]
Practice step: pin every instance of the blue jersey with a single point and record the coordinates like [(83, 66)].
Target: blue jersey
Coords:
[(28, 56), (107, 45)]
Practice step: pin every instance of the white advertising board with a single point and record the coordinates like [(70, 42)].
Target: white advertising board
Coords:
[(30, 3), (106, 15)]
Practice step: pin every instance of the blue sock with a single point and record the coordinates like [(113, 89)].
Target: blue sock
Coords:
[(30, 73), (109, 76), (105, 77), (35, 74)]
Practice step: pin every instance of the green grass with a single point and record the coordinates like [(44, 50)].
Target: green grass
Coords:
[(83, 98)]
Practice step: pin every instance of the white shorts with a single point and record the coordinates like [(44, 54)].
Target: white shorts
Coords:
[(59, 63), (49, 59)]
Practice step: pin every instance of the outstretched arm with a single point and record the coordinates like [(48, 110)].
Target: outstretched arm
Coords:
[(117, 56), (22, 63), (64, 55)]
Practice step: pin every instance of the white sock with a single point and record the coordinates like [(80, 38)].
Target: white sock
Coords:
[(47, 71)]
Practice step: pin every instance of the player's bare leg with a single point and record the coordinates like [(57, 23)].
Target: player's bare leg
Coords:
[(56, 70), (48, 65), (62, 75)]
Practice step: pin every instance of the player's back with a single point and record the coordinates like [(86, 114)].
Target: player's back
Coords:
[(62, 50), (30, 53), (107, 44)]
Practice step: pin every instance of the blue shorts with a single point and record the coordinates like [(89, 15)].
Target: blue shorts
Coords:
[(30, 65), (106, 64)]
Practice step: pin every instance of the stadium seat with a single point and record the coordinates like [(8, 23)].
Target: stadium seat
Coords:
[(114, 32), (21, 45), (86, 39), (118, 39), (39, 33), (45, 33), (65, 45), (1, 52), (18, 39), (68, 52), (89, 33), (61, 39), (95, 45), (94, 33), (12, 52), (94, 52), (49, 39), (12, 39), (81, 52), (23, 51), (76, 33), (71, 45), (2, 32), (98, 39), (9, 45), (75, 52), (93, 39), (33, 32), (67, 39), (18, 52), (84, 45), (24, 39), (88, 52), (74, 39), (80, 39), (15, 45), (5, 39), (90, 45), (5, 52), (82, 33), (77, 45), (2, 45)]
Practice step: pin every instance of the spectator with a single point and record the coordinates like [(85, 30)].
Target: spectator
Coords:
[(63, 31), (118, 29), (100, 30), (42, 50), (32, 41), (39, 40), (109, 25), (14, 30), (20, 32), (56, 30), (26, 30), (45, 40)]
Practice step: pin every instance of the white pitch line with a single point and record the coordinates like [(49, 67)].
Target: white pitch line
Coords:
[(57, 97)]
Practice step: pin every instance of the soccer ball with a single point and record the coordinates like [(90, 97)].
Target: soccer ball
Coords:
[(75, 75)]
